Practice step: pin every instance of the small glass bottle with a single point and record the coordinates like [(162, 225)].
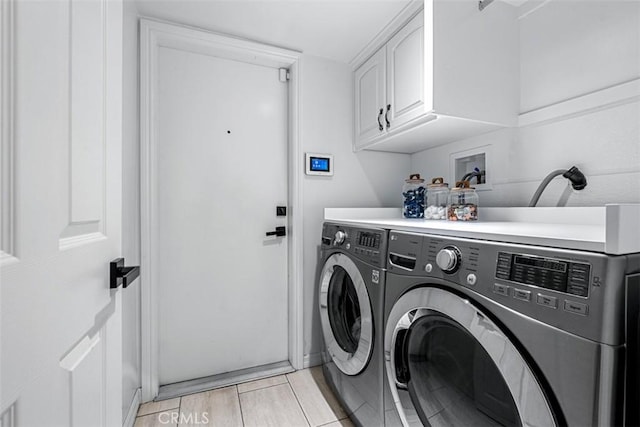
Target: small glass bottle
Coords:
[(413, 192), (463, 203), (437, 199)]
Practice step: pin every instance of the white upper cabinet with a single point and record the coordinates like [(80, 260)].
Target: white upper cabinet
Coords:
[(448, 72), (405, 67), (370, 97)]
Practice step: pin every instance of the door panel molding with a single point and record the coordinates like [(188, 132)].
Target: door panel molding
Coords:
[(86, 367), (153, 36), (87, 124), (92, 371), (7, 137), (8, 417)]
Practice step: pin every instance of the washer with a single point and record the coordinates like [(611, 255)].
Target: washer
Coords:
[(351, 296), (488, 333)]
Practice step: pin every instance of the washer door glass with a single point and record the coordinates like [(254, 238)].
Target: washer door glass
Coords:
[(444, 364), (450, 364), (343, 309), (345, 314)]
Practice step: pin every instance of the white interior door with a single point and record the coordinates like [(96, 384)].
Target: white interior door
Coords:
[(61, 212), (221, 161)]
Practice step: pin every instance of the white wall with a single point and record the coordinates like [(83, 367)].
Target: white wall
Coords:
[(570, 48), (365, 179), (567, 50)]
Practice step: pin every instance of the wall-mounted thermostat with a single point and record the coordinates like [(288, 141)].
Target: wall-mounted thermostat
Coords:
[(319, 164)]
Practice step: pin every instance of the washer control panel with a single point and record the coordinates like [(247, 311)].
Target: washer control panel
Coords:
[(577, 291), (367, 244), (549, 273)]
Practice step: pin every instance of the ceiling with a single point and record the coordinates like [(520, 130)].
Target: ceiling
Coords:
[(334, 29)]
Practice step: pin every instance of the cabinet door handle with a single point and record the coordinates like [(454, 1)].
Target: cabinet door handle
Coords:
[(386, 116), (380, 127)]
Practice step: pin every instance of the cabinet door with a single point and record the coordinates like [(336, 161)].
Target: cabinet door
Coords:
[(405, 79), (370, 82)]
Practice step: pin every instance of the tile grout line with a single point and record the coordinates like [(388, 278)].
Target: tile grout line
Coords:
[(262, 388), (293, 390), (179, 411), (336, 421), (158, 412), (240, 406)]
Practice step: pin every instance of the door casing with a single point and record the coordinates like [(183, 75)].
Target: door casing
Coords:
[(153, 35)]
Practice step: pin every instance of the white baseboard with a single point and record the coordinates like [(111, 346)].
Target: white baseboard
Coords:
[(133, 410), (311, 360)]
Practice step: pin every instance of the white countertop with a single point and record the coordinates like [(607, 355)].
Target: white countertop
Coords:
[(611, 229)]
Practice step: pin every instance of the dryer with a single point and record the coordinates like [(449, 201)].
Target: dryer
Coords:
[(489, 333), (351, 296)]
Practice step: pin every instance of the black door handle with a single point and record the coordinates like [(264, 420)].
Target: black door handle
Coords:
[(380, 127), (279, 232), (121, 275)]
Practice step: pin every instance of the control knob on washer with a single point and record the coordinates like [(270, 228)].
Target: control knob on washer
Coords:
[(339, 237), (448, 259)]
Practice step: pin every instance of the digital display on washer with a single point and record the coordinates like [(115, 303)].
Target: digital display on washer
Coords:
[(549, 273), (541, 263), (369, 240)]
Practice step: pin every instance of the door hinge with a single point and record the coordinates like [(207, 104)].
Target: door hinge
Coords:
[(284, 75)]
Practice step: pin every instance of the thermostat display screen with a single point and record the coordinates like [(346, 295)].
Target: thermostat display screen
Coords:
[(319, 164)]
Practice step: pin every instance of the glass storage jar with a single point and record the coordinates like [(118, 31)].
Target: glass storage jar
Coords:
[(413, 192), (463, 203), (437, 199)]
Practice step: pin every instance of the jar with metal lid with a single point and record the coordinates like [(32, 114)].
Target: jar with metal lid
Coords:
[(463, 203), (413, 192), (437, 199)]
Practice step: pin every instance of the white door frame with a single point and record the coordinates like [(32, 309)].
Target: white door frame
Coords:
[(153, 35)]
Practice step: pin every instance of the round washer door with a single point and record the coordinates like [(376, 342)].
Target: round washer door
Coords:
[(345, 313), (448, 364)]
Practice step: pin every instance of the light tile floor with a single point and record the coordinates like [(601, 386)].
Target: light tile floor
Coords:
[(299, 399)]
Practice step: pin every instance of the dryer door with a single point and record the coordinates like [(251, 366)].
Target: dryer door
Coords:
[(448, 364), (345, 312)]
